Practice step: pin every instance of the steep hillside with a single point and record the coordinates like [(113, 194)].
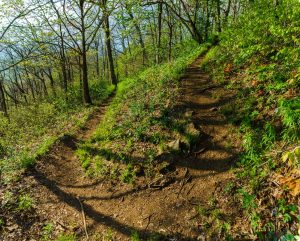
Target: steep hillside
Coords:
[(258, 58)]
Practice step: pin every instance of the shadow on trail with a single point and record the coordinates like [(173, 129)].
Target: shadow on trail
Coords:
[(141, 189), (90, 212), (206, 154), (200, 107)]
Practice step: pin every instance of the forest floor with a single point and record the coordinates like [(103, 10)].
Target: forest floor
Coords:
[(102, 209)]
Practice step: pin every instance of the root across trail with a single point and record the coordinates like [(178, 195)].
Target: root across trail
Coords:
[(92, 208)]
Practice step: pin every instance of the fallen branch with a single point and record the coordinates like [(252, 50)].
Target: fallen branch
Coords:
[(84, 219), (184, 181), (63, 226), (209, 87), (201, 151), (188, 192), (149, 219)]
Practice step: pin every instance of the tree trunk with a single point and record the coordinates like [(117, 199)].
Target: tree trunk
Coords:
[(97, 61), (64, 73), (158, 54), (112, 73), (30, 84), (219, 15), (170, 43), (227, 11), (3, 106), (125, 63), (44, 84), (85, 84), (206, 27), (170, 25), (196, 34), (80, 73), (63, 62), (50, 76), (141, 40)]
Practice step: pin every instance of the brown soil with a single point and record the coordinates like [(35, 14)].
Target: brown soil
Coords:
[(64, 193)]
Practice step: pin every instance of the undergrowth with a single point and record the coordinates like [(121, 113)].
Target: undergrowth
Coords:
[(259, 60), (138, 124), (31, 130)]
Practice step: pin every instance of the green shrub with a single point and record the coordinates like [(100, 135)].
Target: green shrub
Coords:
[(66, 237), (25, 202)]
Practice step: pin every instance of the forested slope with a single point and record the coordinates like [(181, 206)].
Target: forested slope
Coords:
[(258, 58), (149, 120)]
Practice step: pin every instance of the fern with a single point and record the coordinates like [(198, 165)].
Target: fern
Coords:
[(289, 110)]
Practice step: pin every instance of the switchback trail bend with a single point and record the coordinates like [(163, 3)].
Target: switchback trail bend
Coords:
[(65, 194)]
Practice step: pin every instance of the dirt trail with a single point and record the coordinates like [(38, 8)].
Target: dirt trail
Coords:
[(63, 190)]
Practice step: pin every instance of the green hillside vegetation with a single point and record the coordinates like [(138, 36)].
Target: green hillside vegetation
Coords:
[(150, 120), (136, 122), (258, 58), (31, 130)]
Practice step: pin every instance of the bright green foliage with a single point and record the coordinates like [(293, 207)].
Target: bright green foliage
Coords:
[(47, 232), (31, 130), (108, 235), (247, 200), (66, 237), (130, 62), (135, 236), (286, 211), (289, 110), (260, 55), (258, 59), (25, 202), (128, 175), (137, 120)]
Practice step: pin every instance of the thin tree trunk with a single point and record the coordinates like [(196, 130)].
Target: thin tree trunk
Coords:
[(227, 11), (159, 30), (219, 15), (141, 40), (170, 25), (3, 106), (85, 84), (97, 60), (50, 76), (64, 74), (207, 19), (63, 63), (112, 73), (44, 85)]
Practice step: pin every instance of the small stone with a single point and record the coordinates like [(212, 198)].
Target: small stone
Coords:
[(189, 114), (12, 227), (214, 109), (201, 238), (160, 150), (191, 129), (174, 145)]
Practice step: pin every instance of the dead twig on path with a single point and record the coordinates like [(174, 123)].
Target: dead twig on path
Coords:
[(160, 182), (201, 151), (84, 219), (149, 219), (184, 181), (209, 87), (63, 226), (188, 192)]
